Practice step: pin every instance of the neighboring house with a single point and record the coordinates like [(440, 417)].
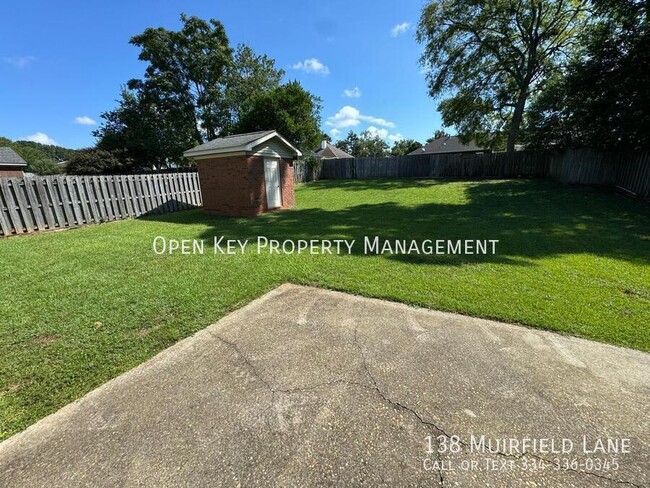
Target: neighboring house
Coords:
[(10, 163), (449, 145), (330, 151)]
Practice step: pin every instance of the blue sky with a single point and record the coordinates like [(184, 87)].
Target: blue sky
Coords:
[(62, 63)]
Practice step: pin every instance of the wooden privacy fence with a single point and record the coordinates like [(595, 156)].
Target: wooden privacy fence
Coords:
[(626, 170), (58, 202)]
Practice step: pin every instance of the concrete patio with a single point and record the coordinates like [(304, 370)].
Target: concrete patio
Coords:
[(308, 387)]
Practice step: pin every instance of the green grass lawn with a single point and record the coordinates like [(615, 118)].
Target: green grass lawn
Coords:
[(82, 306)]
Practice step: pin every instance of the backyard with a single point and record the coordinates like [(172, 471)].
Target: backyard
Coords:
[(81, 306)]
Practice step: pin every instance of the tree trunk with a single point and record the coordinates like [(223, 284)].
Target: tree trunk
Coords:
[(517, 118)]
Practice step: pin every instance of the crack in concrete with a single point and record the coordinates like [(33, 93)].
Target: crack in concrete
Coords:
[(400, 406), (461, 442)]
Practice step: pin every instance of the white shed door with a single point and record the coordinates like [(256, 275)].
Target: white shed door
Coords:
[(272, 177)]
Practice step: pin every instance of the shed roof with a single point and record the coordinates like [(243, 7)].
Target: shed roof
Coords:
[(449, 144), (331, 152), (9, 157), (238, 143)]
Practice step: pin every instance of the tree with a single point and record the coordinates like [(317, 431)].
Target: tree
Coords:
[(249, 74), (404, 147), (371, 146), (349, 144), (365, 144), (189, 69), (438, 134), (603, 99), (94, 162), (145, 131), (194, 89), (44, 167), (289, 109), (180, 102), (492, 56)]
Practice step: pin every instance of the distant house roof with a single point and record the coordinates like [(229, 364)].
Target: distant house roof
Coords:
[(9, 157), (238, 143), (329, 151), (449, 144)]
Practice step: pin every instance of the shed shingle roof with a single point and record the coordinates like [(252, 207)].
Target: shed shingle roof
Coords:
[(9, 157), (236, 143)]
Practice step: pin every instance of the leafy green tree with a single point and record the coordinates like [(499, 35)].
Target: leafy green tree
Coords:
[(94, 162), (603, 99), (180, 102), (349, 144), (44, 167), (289, 109), (364, 145), (371, 146), (404, 147), (438, 134), (491, 56), (248, 75), (145, 132), (188, 68), (195, 88)]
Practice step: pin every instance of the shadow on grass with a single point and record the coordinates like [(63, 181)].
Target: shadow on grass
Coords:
[(530, 218)]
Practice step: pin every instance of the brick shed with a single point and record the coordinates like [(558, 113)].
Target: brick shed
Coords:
[(246, 174), (10, 163)]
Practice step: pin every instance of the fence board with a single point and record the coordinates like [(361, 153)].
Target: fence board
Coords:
[(5, 226), (23, 206), (33, 203), (74, 199), (57, 202), (45, 203), (12, 206), (83, 200)]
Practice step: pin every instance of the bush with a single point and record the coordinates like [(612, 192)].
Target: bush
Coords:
[(95, 162), (44, 167)]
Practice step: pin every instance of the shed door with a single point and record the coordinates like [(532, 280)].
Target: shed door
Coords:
[(272, 177)]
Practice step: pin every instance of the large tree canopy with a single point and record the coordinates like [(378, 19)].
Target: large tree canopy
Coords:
[(365, 144), (487, 57), (196, 88), (603, 98), (188, 68), (289, 109)]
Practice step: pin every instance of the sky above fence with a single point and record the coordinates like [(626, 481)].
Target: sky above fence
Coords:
[(62, 63)]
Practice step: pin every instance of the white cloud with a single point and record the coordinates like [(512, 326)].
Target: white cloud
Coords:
[(395, 137), (375, 132), (84, 120), (41, 138), (335, 132), (21, 61), (400, 29), (312, 65), (351, 117), (352, 92)]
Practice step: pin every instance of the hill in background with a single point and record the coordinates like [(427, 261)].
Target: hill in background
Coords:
[(41, 158)]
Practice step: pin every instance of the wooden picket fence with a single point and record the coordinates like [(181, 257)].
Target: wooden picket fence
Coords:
[(41, 203), (628, 171)]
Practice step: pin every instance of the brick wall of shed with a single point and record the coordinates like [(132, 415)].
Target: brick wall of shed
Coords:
[(11, 172), (235, 185)]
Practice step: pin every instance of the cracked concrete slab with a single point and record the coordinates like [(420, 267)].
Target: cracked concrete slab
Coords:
[(312, 387)]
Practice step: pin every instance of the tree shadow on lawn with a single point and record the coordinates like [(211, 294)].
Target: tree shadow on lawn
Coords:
[(530, 218)]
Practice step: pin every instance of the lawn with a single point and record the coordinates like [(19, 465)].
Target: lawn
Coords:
[(81, 306)]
